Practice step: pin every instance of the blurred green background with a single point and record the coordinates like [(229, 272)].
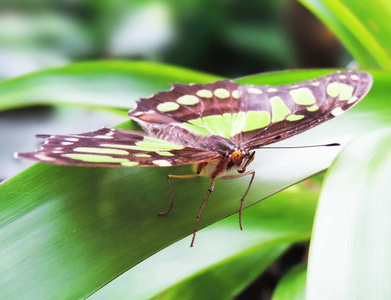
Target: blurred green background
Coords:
[(229, 38), (77, 229)]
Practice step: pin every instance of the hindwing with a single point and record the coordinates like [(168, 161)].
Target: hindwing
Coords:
[(115, 148)]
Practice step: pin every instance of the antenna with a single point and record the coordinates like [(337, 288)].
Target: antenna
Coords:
[(299, 147)]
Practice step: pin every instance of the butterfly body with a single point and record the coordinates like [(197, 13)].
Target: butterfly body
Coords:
[(235, 161), (215, 126)]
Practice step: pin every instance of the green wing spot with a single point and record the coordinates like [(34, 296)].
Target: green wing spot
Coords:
[(346, 92), (235, 94), (150, 140), (157, 146), (313, 108), (228, 118), (195, 129), (101, 150), (333, 89), (95, 158), (293, 118), (144, 149), (142, 155), (303, 96), (197, 122), (238, 123), (165, 153), (204, 94), (167, 106), (129, 147), (222, 93), (218, 125), (188, 100), (129, 164), (279, 109), (145, 146), (256, 120)]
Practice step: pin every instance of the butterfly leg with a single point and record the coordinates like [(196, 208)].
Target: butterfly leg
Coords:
[(169, 176), (210, 190), (252, 173)]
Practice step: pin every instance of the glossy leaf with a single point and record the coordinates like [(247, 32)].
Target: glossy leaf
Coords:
[(225, 256), (105, 84), (350, 250), (85, 226)]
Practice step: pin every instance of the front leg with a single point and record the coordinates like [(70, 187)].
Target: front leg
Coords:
[(252, 173), (210, 190), (169, 176)]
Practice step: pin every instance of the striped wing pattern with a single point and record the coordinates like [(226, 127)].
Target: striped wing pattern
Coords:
[(115, 148), (249, 115), (181, 125)]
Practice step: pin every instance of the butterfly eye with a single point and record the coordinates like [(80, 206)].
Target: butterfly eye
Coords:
[(237, 157)]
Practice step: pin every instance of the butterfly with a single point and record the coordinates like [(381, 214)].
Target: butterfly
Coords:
[(215, 126)]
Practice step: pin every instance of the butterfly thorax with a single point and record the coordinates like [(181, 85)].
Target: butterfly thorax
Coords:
[(233, 158)]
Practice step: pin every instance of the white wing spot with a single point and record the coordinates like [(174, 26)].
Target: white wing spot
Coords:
[(353, 99), (337, 111), (342, 77), (103, 136), (66, 143), (71, 139), (161, 162), (43, 157), (272, 90), (254, 91), (354, 77)]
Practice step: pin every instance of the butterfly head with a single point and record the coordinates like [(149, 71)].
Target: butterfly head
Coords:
[(241, 159)]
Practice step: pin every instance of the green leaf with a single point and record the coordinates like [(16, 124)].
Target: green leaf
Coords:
[(225, 260), (350, 255), (85, 226), (292, 285), (363, 28), (105, 84)]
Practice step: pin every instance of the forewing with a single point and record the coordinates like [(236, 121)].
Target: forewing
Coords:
[(115, 148), (189, 109), (283, 111), (248, 115)]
